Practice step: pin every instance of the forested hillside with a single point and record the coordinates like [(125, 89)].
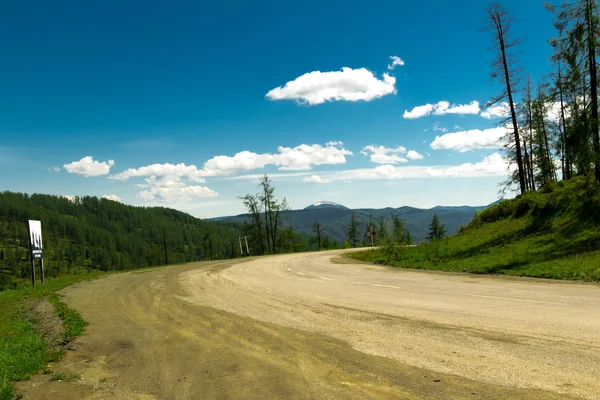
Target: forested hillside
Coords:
[(335, 220), (93, 233)]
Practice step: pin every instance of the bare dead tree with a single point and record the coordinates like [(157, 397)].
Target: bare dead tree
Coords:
[(318, 229), (507, 71)]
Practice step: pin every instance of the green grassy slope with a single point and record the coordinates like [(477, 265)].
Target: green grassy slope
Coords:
[(22, 351), (552, 233)]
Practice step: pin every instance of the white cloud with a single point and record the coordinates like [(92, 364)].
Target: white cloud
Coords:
[(69, 197), (469, 140), (395, 61), (493, 164), (53, 170), (88, 167), (315, 179), (437, 128), (181, 170), (112, 197), (442, 108), (168, 183), (174, 194), (348, 85), (413, 155), (418, 111), (384, 155), (298, 158), (171, 182), (496, 111)]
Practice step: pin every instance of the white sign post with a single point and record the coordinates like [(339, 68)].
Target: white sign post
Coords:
[(35, 241)]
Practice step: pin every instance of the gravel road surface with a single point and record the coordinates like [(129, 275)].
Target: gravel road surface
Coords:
[(320, 326)]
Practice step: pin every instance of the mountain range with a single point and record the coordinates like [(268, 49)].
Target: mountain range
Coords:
[(335, 218)]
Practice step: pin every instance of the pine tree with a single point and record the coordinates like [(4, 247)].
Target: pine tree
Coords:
[(352, 233), (436, 229), (382, 232), (578, 24)]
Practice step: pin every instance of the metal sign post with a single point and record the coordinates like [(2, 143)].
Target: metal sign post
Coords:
[(35, 242)]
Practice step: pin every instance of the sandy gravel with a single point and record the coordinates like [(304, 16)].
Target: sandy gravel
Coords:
[(319, 326)]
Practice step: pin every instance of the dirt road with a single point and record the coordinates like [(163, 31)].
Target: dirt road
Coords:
[(320, 326)]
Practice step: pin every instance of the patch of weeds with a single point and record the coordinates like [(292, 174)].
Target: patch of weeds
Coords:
[(64, 376)]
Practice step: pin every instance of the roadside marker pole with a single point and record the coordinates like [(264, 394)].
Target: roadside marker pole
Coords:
[(241, 250), (32, 271), (42, 267), (247, 249)]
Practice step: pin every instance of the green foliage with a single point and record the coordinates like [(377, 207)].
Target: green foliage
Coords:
[(437, 230), (346, 245), (91, 233), (552, 233), (22, 351), (393, 246), (352, 233), (267, 224), (62, 376)]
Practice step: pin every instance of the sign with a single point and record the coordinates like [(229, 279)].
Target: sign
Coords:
[(371, 232), (35, 239)]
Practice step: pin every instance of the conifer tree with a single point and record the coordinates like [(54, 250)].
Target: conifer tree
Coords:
[(437, 230)]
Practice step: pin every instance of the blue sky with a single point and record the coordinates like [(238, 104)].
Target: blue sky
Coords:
[(185, 104)]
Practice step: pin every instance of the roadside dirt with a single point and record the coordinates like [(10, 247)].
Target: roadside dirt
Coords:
[(150, 337), (47, 323)]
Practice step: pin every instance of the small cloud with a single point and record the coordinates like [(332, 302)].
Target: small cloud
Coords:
[(315, 179), (53, 170), (69, 197), (349, 84), (112, 197), (413, 155), (395, 61), (437, 128), (384, 155), (468, 140), (496, 111), (174, 194), (442, 108), (87, 167)]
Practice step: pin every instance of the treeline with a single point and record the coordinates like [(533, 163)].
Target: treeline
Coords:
[(554, 124), (93, 233), (390, 233)]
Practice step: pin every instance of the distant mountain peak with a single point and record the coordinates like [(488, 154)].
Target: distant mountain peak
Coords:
[(325, 204)]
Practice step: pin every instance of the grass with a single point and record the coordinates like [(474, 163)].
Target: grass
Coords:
[(22, 351), (73, 323), (554, 233), (63, 376)]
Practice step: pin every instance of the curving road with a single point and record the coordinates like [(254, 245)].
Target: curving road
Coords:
[(319, 325)]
